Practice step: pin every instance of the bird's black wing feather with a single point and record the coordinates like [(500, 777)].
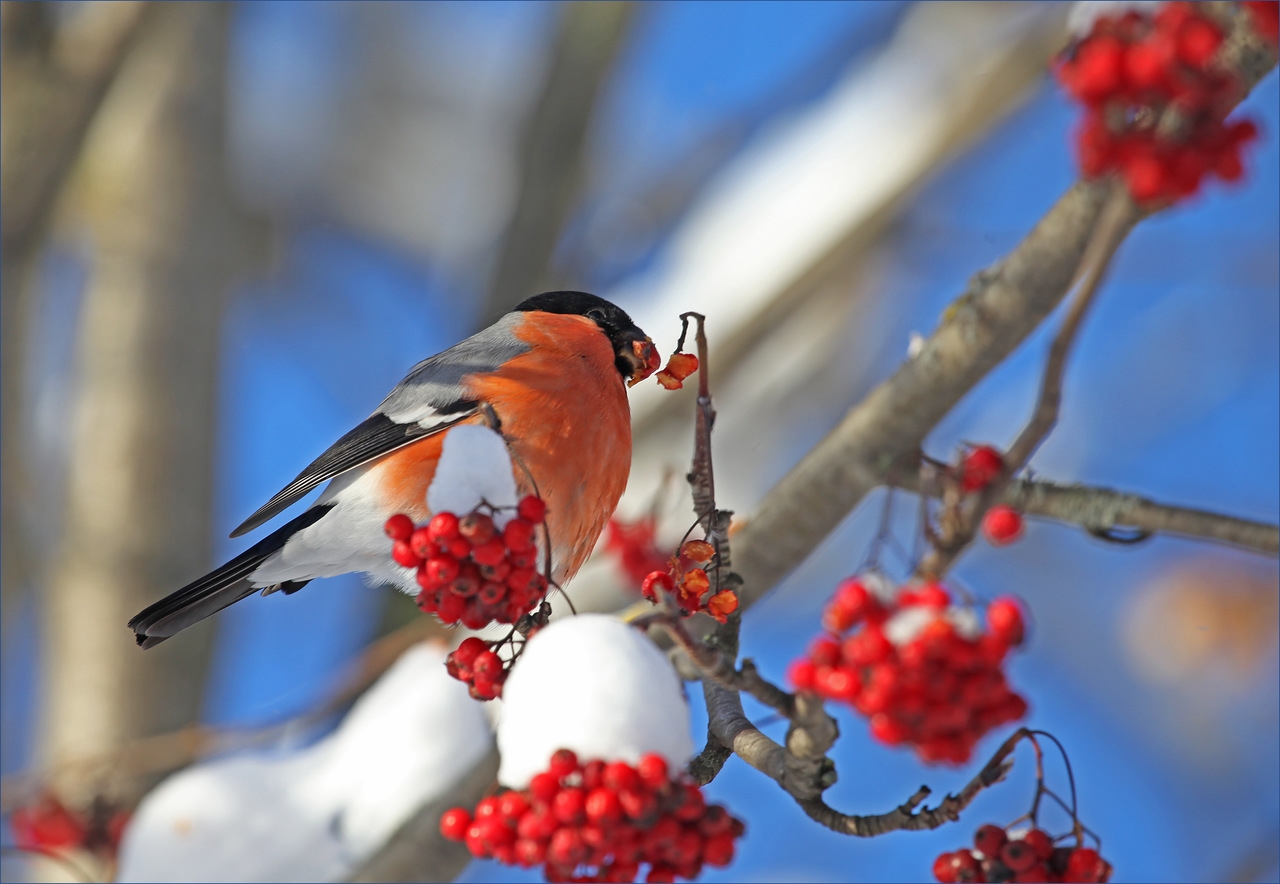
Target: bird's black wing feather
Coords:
[(372, 439)]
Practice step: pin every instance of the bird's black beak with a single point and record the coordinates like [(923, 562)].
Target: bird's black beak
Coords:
[(637, 357)]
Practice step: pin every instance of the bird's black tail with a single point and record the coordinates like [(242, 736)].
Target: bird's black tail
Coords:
[(218, 589)]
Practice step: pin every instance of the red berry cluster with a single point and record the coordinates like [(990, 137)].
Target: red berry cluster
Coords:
[(48, 826), (475, 663), (996, 856), (636, 546), (686, 581), (679, 367), (600, 821), (1127, 72), (470, 571), (924, 679)]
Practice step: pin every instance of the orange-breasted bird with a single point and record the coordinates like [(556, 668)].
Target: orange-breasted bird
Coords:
[(554, 371)]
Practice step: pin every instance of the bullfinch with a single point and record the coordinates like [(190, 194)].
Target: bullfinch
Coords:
[(553, 371)]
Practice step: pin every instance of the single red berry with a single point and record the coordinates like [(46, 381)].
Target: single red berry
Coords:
[(529, 853), (544, 786), (487, 664), (1004, 618), (989, 839), (442, 569), (603, 807), (618, 775), (399, 527), (888, 730), (1040, 842), (467, 652), (1086, 865), (490, 552), (458, 547), (1018, 855), (454, 824), (404, 555), (653, 770), (519, 534), (532, 509), (639, 805), (421, 543), (980, 468), (451, 608), (1038, 873), (570, 805), (933, 595), (944, 869), (801, 674), (564, 762), (657, 580), (1198, 41), (660, 874), (443, 527), (477, 527), (1146, 177), (1002, 525), (698, 551), (1147, 65), (1097, 70)]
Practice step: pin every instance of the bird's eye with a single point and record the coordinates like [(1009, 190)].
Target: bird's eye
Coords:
[(596, 315)]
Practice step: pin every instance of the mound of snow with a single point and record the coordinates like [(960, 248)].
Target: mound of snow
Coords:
[(595, 685), (314, 814)]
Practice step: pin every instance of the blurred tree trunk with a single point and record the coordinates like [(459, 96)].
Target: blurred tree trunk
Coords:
[(553, 148), (155, 195), (54, 78)]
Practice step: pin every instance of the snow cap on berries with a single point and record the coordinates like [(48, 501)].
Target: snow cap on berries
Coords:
[(595, 685), (474, 466)]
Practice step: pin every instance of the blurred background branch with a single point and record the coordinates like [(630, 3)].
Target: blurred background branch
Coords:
[(55, 75), (589, 37)]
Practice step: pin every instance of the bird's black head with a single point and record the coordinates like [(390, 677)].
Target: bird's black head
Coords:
[(635, 356)]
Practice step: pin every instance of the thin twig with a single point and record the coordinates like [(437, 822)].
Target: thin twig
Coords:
[(961, 522)]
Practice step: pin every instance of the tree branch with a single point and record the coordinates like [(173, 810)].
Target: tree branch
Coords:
[(1002, 306), (1102, 510), (1117, 217)]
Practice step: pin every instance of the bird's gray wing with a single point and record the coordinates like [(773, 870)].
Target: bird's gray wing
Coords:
[(429, 400)]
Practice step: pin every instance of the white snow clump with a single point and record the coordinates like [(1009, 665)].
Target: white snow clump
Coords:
[(595, 685)]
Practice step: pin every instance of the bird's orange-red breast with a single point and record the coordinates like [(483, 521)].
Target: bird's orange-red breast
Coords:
[(554, 372)]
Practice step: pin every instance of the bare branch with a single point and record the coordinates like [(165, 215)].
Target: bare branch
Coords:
[(1117, 217), (1101, 511)]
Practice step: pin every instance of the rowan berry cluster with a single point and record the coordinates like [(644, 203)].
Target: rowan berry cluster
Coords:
[(476, 664), (600, 821), (678, 367), (1001, 524), (1128, 72), (1000, 855), (46, 825), (636, 546), (921, 669), (686, 582), (470, 571)]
